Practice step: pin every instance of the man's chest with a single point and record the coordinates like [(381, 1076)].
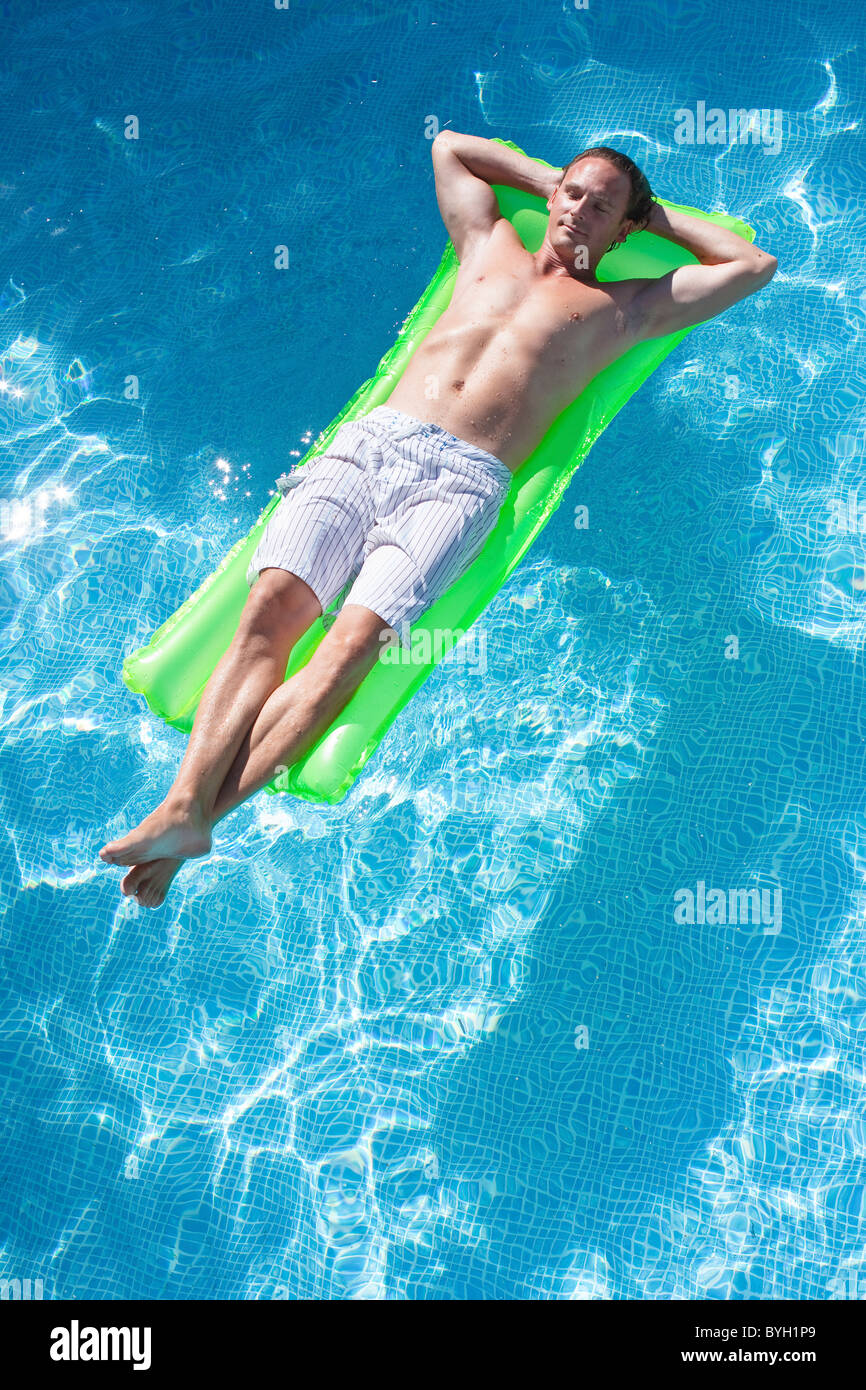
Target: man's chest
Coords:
[(561, 318)]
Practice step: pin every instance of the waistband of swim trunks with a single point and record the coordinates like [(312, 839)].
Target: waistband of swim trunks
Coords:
[(400, 426)]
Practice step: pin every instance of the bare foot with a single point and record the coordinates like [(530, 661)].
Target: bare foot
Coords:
[(172, 831), (148, 883)]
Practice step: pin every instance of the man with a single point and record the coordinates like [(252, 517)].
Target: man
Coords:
[(404, 499)]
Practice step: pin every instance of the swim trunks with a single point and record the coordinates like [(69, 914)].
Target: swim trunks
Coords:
[(396, 507)]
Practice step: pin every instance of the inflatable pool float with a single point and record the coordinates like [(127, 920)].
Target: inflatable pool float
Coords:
[(173, 669)]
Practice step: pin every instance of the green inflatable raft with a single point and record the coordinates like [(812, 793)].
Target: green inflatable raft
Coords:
[(173, 669)]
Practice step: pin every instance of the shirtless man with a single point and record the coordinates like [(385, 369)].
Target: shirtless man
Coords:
[(403, 500)]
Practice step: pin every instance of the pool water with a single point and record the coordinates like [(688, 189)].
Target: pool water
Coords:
[(453, 1038)]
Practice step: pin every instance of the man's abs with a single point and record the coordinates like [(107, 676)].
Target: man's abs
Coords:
[(511, 351)]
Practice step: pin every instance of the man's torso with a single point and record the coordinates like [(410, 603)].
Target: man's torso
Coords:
[(513, 349)]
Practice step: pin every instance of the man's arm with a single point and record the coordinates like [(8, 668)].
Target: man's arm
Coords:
[(730, 269), (465, 166)]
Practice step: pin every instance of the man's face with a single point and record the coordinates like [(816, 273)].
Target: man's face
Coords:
[(588, 210)]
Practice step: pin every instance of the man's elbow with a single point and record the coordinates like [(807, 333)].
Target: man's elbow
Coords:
[(765, 265), (443, 139)]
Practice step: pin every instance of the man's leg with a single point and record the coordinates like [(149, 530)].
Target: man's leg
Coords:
[(280, 607), (298, 714), (290, 722)]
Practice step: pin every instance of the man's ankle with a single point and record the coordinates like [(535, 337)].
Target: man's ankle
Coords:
[(189, 803)]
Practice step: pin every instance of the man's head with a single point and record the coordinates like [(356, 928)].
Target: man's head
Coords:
[(601, 197)]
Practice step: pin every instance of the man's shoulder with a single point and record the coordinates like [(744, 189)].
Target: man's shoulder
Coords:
[(498, 249), (504, 239)]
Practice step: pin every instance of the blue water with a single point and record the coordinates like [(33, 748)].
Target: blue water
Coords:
[(445, 1040)]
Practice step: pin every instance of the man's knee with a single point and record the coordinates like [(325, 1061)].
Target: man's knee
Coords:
[(279, 605), (352, 646)]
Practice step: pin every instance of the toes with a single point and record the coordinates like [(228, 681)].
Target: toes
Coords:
[(131, 882), (149, 882), (145, 888), (121, 858), (138, 883), (151, 891), (115, 851)]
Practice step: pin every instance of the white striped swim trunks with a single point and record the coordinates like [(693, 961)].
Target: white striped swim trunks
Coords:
[(398, 506)]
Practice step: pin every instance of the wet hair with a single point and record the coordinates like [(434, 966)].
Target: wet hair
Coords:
[(641, 199)]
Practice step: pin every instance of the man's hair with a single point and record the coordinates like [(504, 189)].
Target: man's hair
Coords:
[(641, 200)]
